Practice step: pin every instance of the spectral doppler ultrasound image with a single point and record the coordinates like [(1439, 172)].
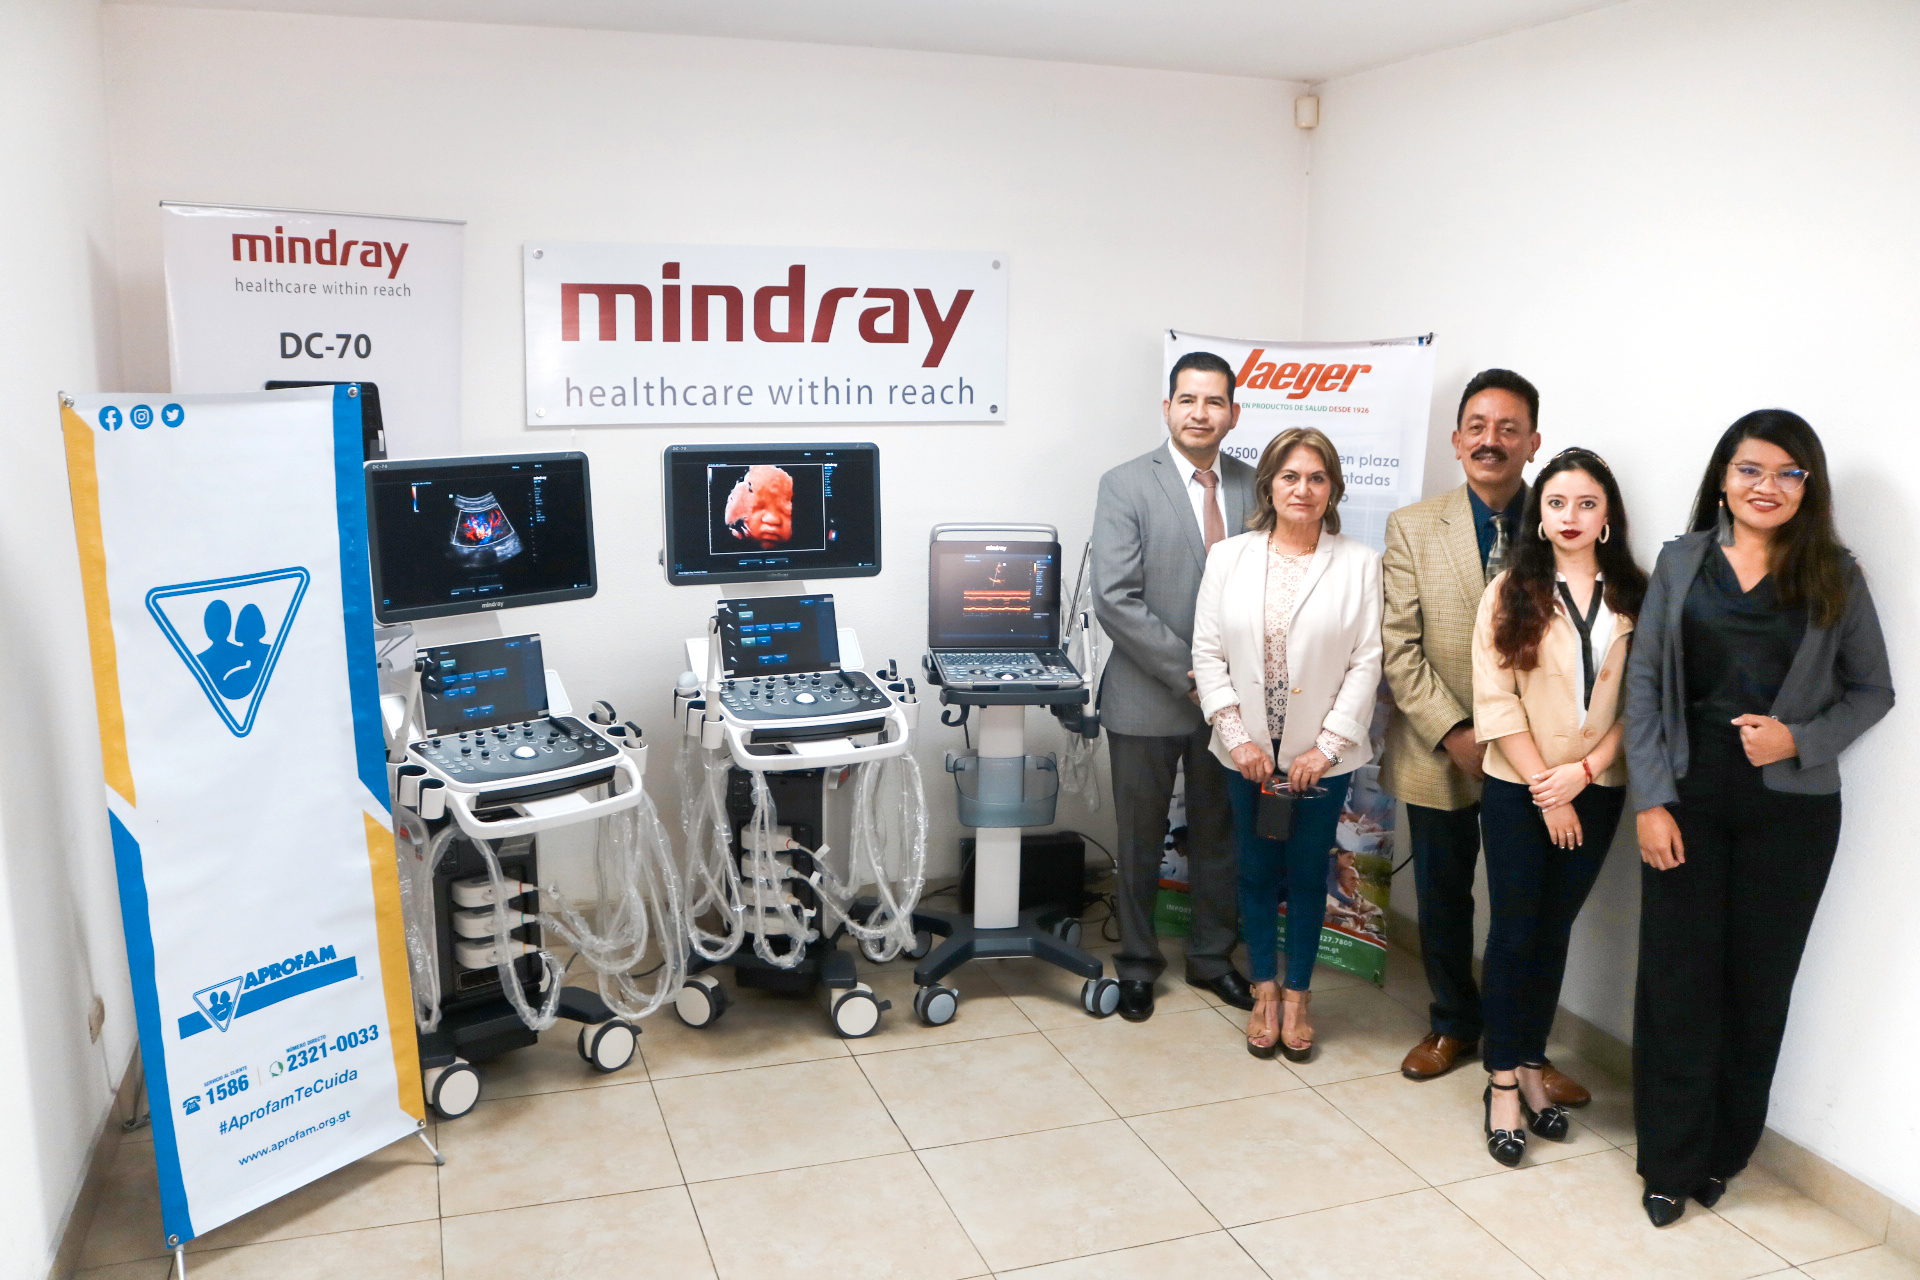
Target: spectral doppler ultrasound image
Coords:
[(1007, 587), (482, 534)]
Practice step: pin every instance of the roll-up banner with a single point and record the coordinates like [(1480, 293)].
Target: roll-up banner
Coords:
[(224, 567), (285, 295), (637, 333), (1374, 401)]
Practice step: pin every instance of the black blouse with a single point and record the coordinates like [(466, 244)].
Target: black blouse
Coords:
[(1738, 646)]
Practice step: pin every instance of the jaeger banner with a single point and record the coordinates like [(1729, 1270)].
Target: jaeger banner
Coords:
[(259, 295), (1374, 401), (223, 560), (634, 334)]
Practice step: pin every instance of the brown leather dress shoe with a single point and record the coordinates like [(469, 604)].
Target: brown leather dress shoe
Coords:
[(1562, 1089), (1436, 1055)]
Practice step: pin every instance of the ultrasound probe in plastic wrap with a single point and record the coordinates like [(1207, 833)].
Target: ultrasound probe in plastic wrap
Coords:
[(482, 534)]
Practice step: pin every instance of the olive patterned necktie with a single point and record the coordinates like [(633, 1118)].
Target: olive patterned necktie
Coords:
[(1497, 557)]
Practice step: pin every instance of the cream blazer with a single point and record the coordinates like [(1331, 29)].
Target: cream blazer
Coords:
[(1333, 645), (1546, 700)]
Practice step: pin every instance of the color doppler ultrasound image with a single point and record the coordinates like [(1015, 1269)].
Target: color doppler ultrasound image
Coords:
[(766, 508), (482, 534)]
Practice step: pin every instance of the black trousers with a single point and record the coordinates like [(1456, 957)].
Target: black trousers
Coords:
[(1446, 846), (1720, 942), (1143, 771), (1535, 889)]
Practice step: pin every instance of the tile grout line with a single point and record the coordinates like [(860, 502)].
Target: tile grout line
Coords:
[(926, 1172), (681, 1169)]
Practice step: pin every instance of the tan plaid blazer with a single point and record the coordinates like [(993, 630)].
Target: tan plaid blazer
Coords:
[(1433, 582)]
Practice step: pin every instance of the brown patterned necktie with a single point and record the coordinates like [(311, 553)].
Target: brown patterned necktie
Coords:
[(1216, 525), (1497, 556)]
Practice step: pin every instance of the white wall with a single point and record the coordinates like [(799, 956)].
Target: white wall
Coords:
[(59, 914), (1126, 200), (1667, 213)]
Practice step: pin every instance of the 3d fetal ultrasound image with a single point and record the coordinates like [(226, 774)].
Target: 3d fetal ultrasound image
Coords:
[(482, 535)]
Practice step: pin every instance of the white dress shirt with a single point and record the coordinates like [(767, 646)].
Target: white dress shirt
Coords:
[(1197, 492)]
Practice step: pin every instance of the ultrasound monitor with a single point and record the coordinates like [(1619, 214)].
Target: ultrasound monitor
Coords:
[(994, 595), (778, 635), (466, 535), (770, 512)]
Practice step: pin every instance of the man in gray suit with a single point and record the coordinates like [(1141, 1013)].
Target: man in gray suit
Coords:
[(1155, 520)]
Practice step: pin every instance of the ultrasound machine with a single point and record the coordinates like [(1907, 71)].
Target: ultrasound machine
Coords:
[(797, 787), (994, 643), (486, 753)]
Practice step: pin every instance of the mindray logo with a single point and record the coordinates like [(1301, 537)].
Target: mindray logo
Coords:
[(326, 251), (1303, 379), (890, 321)]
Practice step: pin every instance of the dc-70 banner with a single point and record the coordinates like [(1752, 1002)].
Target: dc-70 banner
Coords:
[(1374, 401), (223, 556)]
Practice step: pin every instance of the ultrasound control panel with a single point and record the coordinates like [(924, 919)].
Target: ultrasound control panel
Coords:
[(807, 696), (515, 751), (1002, 669)]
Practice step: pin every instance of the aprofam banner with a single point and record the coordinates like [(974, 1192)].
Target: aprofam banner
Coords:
[(246, 790), (638, 334), (259, 295), (1373, 400)]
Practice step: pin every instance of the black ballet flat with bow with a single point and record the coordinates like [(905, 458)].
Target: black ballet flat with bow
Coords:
[(1505, 1145)]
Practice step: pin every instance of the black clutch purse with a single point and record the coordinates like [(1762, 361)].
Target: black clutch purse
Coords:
[(1273, 819)]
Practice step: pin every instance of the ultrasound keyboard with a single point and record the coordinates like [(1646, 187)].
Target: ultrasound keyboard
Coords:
[(802, 696), (999, 668), (512, 752)]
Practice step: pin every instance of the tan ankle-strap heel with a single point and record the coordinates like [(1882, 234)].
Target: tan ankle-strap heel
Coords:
[(1265, 1043), (1300, 1047)]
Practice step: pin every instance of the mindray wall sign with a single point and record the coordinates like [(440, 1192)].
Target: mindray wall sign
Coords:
[(633, 334)]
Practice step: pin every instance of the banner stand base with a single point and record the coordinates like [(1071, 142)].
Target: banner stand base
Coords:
[(421, 1133), (180, 1261)]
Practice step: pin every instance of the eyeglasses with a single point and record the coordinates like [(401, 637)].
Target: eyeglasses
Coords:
[(1750, 475)]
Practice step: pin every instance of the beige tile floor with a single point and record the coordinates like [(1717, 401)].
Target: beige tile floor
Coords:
[(1023, 1139)]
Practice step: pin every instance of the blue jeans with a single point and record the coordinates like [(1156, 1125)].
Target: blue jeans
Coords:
[(1304, 857)]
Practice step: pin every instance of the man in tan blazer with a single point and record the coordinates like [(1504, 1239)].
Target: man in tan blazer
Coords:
[(1439, 556)]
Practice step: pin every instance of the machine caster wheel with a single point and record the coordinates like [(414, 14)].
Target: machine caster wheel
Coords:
[(1067, 929), (609, 1046), (922, 944), (936, 1006), (856, 1013), (453, 1091), (701, 1002), (1100, 996)]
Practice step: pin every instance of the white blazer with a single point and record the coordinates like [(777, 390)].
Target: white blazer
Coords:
[(1333, 645)]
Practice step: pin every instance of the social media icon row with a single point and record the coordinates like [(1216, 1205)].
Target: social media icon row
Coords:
[(141, 416)]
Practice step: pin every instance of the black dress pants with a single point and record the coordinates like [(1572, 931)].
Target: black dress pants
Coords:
[(1720, 942), (1446, 847), (1143, 770)]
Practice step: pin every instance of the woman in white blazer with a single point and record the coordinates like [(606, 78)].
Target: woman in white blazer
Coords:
[(1286, 662)]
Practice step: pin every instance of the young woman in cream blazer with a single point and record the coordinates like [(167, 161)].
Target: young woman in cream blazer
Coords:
[(1549, 660), (1286, 661)]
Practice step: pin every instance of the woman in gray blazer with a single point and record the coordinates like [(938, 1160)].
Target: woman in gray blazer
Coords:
[(1758, 659)]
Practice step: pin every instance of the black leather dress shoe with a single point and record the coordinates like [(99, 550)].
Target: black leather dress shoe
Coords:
[(1136, 999), (1663, 1211), (1230, 986), (1709, 1192)]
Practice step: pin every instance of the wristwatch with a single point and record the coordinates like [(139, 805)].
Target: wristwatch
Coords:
[(1331, 757)]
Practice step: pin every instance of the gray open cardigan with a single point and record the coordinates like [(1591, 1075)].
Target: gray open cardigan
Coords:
[(1840, 684)]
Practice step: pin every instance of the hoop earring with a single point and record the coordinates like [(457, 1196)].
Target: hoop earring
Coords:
[(1542, 528), (1606, 531)]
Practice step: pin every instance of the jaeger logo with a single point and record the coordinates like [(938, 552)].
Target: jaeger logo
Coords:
[(1303, 380), (779, 312), (325, 251)]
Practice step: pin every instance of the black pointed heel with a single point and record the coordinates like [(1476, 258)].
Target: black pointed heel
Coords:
[(1663, 1211), (1708, 1193), (1505, 1145)]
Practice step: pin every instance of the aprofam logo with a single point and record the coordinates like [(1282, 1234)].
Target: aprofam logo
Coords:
[(262, 987), (244, 621)]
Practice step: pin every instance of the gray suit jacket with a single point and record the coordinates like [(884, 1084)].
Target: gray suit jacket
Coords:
[(1148, 558), (1839, 685)]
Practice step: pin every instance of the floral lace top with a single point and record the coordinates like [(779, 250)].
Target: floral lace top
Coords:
[(1285, 573)]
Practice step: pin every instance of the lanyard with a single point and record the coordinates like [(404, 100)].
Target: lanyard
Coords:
[(1585, 627)]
